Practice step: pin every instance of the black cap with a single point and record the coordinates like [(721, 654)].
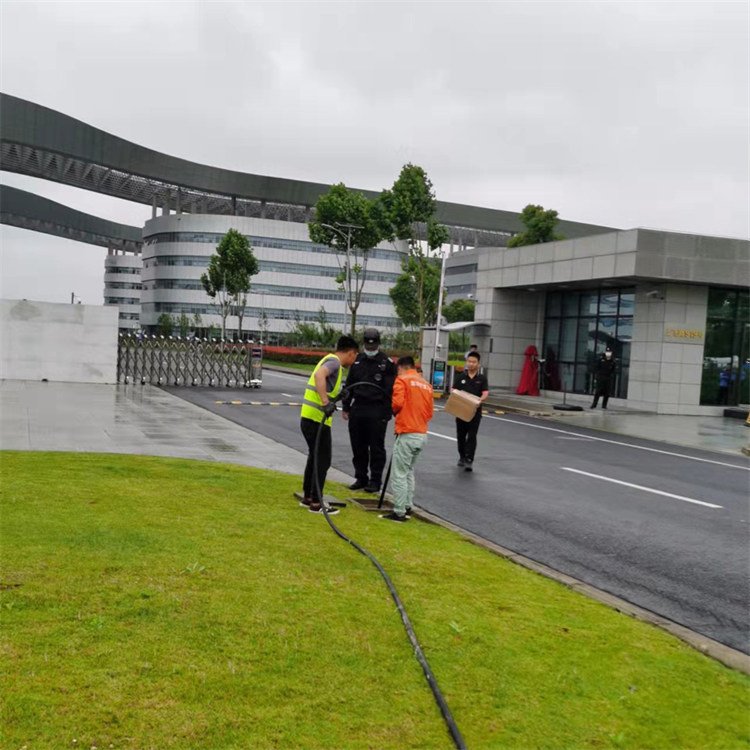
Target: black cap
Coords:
[(372, 336)]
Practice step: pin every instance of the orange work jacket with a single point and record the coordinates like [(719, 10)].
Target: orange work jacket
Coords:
[(412, 402)]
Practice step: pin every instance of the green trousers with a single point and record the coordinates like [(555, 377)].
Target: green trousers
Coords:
[(406, 451)]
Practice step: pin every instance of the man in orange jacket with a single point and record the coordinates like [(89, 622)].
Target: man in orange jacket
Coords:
[(413, 406)]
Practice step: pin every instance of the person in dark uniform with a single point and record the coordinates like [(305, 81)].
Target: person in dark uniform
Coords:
[(368, 411), (605, 371), (471, 381)]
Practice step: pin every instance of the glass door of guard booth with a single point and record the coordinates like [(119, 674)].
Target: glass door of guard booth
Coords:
[(726, 353)]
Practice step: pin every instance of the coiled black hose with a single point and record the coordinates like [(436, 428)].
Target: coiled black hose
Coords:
[(421, 658)]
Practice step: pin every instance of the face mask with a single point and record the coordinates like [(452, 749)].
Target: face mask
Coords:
[(608, 355), (369, 353)]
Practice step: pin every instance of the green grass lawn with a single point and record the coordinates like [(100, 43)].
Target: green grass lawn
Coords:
[(158, 603)]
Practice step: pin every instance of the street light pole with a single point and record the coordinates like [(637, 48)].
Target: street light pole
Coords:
[(263, 323)]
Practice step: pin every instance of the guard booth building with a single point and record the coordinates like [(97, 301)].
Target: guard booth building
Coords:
[(674, 308)]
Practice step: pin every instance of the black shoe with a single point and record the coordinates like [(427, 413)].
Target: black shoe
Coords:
[(461, 462), (408, 512), (358, 485), (372, 487), (604, 407), (393, 516), (469, 466), (319, 510), (593, 406)]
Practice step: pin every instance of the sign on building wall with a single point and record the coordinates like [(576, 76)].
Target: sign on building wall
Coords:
[(683, 335)]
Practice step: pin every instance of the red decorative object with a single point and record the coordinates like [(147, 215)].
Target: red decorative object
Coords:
[(529, 384)]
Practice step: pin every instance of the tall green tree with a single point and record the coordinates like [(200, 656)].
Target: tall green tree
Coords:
[(415, 293), (227, 280), (540, 227), (345, 222), (459, 310), (407, 212)]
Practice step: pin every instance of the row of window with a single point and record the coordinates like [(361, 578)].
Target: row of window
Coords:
[(129, 316), (578, 327), (458, 270), (122, 301), (591, 302), (461, 289), (271, 289), (274, 242), (177, 308), (122, 285), (266, 265), (120, 269)]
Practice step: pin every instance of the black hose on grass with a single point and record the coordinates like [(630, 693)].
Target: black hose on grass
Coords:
[(421, 658)]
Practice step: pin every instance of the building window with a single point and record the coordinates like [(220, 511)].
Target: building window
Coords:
[(578, 327), (726, 354), (214, 238)]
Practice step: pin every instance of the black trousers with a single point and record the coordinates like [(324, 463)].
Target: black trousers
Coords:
[(602, 389), (367, 436), (310, 431), (466, 432)]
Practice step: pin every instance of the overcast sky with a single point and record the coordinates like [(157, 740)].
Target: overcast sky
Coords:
[(618, 113)]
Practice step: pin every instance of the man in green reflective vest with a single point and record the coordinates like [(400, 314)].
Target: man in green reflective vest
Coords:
[(318, 407)]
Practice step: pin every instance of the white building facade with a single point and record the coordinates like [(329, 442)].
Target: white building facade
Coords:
[(122, 287), (297, 277)]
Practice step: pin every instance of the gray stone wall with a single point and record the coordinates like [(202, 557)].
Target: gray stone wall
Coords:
[(693, 258), (665, 374), (517, 318)]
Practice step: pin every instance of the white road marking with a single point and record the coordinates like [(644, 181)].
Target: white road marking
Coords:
[(641, 487), (566, 437), (288, 395), (285, 375), (619, 442), (445, 437)]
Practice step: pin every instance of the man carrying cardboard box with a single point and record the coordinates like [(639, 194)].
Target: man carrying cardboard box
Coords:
[(470, 381)]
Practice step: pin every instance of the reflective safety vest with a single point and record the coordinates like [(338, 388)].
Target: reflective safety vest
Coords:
[(312, 406)]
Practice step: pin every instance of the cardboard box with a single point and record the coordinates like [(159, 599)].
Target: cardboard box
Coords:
[(462, 405)]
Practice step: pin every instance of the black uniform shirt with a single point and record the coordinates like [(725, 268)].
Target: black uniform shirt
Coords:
[(476, 385), (366, 401), (605, 369)]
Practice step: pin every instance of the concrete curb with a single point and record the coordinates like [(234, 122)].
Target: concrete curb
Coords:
[(725, 654)]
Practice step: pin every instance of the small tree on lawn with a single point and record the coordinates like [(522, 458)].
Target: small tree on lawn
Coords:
[(165, 322), (263, 325), (540, 227), (344, 222), (183, 325), (227, 280)]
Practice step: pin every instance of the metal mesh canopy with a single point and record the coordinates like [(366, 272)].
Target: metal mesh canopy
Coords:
[(41, 142), (20, 208)]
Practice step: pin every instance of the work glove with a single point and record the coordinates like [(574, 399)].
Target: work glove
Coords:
[(329, 408)]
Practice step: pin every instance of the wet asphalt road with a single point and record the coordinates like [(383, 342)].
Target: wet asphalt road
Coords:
[(629, 516)]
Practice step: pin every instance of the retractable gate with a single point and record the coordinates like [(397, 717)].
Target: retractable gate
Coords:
[(174, 361)]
